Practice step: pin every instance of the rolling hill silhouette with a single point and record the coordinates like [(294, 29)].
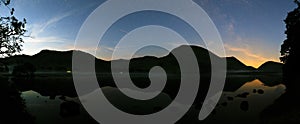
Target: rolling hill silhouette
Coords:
[(236, 66), (271, 73), (53, 78), (49, 60), (271, 67), (49, 63)]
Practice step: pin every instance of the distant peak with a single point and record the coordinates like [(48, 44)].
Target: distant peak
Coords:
[(270, 63), (48, 50), (231, 57)]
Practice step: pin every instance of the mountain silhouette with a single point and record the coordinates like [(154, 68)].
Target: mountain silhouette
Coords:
[(49, 60), (48, 63), (53, 77), (270, 73), (271, 67), (236, 66)]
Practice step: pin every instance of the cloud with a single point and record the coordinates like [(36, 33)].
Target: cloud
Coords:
[(123, 31), (245, 52), (230, 28), (34, 43), (36, 29), (50, 39), (245, 1), (108, 48), (248, 56), (39, 28)]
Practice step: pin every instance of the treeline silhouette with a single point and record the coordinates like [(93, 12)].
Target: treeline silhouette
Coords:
[(286, 108)]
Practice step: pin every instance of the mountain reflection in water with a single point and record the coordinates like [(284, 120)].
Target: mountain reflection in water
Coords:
[(230, 105), (243, 105)]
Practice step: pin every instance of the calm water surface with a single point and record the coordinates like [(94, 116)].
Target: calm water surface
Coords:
[(47, 111)]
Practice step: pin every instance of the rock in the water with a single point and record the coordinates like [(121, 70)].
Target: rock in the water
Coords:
[(244, 106), (243, 95), (260, 91)]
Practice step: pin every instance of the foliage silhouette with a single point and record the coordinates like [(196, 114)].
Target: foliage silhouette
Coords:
[(286, 108), (24, 70), (11, 32), (13, 106), (290, 48)]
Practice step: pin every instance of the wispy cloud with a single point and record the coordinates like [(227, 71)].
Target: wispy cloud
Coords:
[(245, 52), (248, 56), (50, 39), (246, 1), (124, 31), (230, 28), (34, 43), (36, 29)]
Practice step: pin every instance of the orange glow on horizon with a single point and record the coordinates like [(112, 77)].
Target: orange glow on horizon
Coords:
[(251, 57), (255, 62)]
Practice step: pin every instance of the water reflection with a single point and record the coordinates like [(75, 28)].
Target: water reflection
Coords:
[(242, 105), (247, 109), (48, 111)]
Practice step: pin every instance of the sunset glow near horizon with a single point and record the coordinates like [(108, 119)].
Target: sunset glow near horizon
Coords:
[(252, 30)]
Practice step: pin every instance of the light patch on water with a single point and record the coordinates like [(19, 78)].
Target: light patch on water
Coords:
[(232, 113), (47, 111)]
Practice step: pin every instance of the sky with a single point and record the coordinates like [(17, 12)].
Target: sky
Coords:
[(251, 30)]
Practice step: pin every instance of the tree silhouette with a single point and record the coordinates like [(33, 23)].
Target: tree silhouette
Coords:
[(290, 49), (24, 71), (13, 109), (11, 32)]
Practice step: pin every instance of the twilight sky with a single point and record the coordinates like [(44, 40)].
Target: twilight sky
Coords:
[(252, 30)]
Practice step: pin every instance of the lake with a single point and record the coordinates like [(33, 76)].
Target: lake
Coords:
[(243, 105)]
